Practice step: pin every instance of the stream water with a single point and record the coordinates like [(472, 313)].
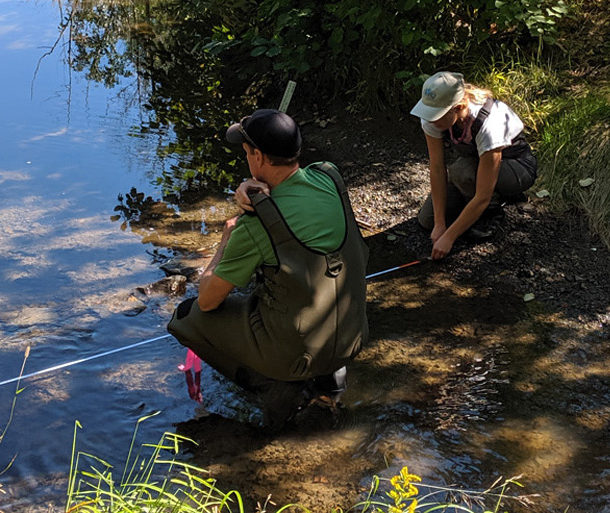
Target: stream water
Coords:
[(68, 149), (92, 139)]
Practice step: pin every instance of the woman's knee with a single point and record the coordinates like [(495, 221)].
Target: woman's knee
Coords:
[(463, 174), (425, 217)]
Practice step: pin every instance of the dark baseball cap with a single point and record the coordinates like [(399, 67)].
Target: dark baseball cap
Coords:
[(271, 131)]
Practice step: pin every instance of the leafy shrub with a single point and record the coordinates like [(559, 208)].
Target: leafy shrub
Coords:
[(370, 50)]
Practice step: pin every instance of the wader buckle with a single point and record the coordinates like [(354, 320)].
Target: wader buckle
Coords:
[(334, 264)]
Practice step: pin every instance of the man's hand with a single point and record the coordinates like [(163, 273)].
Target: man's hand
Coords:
[(241, 194), (442, 247)]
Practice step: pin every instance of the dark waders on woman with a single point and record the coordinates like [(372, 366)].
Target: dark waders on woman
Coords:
[(517, 174)]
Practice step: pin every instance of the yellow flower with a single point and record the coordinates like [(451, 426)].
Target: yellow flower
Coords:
[(406, 477), (396, 482), (404, 488), (412, 490), (412, 506), (395, 496)]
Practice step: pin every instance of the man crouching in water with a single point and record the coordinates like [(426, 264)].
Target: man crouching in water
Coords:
[(290, 339)]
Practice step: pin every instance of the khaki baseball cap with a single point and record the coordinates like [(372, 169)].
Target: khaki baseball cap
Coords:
[(439, 93)]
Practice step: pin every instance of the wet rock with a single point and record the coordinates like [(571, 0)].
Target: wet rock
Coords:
[(172, 286), (136, 308), (188, 265)]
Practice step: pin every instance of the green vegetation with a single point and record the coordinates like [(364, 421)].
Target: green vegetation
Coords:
[(200, 64), (156, 481), (153, 480), (575, 150), (368, 50), (149, 483)]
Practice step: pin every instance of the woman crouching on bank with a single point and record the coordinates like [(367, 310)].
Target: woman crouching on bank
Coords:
[(479, 158)]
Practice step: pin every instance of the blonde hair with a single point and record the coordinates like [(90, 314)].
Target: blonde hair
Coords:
[(476, 94)]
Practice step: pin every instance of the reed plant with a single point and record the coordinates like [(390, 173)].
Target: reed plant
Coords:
[(152, 480), (18, 391)]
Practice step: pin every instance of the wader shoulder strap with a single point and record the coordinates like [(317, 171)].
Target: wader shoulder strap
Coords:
[(481, 117), (330, 171), (276, 227), (334, 261), (272, 220), (476, 124)]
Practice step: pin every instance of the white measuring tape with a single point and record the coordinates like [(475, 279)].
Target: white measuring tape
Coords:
[(131, 346)]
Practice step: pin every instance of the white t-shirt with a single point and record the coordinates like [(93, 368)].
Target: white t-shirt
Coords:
[(497, 131)]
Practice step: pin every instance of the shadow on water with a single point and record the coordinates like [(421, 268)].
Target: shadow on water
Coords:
[(188, 96)]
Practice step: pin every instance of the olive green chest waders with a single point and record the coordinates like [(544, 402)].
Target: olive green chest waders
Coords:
[(306, 317)]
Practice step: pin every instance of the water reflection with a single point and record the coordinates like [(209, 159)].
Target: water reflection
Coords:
[(67, 273), (188, 104)]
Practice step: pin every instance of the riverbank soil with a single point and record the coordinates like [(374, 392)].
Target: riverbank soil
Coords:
[(463, 380)]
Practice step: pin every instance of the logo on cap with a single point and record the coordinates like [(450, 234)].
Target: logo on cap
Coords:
[(429, 92)]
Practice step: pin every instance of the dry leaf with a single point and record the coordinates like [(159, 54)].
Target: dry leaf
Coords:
[(585, 182)]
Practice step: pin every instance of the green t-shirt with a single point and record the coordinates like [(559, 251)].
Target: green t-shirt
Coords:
[(311, 206)]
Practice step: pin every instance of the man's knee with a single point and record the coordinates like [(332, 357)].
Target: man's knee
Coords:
[(183, 310)]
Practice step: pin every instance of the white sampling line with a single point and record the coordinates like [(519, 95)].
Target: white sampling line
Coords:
[(74, 362)]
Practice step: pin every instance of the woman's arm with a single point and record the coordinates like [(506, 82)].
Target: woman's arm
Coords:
[(438, 185), (487, 176)]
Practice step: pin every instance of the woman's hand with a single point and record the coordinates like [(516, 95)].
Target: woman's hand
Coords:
[(442, 247), (241, 194)]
